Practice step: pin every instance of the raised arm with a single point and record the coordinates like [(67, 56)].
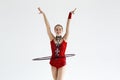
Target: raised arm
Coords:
[(51, 36), (65, 37)]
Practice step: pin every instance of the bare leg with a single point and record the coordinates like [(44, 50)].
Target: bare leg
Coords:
[(54, 72), (60, 73)]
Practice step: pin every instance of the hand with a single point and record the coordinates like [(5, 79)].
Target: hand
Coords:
[(73, 11), (41, 12)]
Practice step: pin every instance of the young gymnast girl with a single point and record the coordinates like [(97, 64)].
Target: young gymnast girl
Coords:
[(58, 46)]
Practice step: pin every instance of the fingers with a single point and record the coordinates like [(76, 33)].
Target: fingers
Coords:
[(73, 11), (40, 10)]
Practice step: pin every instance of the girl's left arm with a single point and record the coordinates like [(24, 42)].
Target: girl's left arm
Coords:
[(65, 37)]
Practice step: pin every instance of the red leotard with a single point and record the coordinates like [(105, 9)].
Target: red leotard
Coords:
[(61, 61)]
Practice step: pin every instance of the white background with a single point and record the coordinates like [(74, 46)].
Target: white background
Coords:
[(94, 38)]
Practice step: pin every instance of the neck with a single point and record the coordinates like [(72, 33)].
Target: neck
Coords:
[(58, 38)]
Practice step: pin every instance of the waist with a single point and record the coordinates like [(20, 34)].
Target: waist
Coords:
[(59, 57)]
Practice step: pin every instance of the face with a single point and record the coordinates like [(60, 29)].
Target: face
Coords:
[(58, 30)]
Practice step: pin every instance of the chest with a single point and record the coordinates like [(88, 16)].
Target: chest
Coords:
[(62, 45)]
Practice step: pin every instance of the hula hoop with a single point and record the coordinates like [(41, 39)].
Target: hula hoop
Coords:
[(49, 57)]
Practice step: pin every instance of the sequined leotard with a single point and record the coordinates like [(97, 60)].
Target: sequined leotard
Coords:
[(61, 60)]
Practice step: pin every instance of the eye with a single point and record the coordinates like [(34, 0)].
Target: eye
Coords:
[(57, 29)]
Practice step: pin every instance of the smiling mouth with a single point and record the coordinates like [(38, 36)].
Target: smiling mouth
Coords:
[(58, 32)]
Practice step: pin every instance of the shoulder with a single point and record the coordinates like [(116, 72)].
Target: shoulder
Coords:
[(65, 40), (52, 38)]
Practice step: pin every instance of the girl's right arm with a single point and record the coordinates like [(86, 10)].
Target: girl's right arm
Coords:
[(51, 36)]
